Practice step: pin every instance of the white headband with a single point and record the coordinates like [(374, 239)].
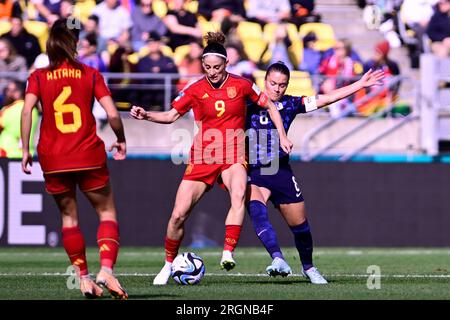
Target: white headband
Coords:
[(214, 54)]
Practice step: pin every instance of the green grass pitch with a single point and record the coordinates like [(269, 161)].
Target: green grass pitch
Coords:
[(40, 273)]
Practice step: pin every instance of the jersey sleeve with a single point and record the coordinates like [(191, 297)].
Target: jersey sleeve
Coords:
[(251, 90), (183, 102), (299, 104), (100, 88), (33, 84)]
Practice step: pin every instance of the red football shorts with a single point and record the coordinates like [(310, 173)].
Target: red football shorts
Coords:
[(87, 180), (207, 173)]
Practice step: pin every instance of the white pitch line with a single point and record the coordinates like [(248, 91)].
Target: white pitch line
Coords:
[(406, 252), (413, 276)]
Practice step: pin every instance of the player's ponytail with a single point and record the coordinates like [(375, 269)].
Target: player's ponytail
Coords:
[(62, 44), (279, 67), (215, 45)]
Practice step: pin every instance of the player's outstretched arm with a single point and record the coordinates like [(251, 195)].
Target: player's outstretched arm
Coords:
[(155, 116), (117, 126), (275, 116), (370, 78), (25, 130)]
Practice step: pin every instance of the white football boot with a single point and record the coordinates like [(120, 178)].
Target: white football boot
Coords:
[(227, 262), (314, 276), (279, 267), (163, 276)]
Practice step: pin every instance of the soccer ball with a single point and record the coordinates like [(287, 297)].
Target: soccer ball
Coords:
[(188, 268)]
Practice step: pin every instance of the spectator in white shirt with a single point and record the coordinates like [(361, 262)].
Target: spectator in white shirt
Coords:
[(114, 20)]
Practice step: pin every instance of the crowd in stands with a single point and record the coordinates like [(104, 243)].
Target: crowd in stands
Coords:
[(420, 25), (165, 36)]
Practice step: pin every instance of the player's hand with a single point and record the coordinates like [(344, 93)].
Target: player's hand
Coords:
[(27, 159), (371, 78), (121, 153), (286, 144), (138, 113)]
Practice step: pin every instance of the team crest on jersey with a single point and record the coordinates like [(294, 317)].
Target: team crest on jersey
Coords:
[(279, 106), (231, 92)]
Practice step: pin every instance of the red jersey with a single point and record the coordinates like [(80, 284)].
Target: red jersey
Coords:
[(220, 115), (68, 140)]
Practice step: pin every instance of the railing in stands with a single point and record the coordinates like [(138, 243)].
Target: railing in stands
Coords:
[(307, 156)]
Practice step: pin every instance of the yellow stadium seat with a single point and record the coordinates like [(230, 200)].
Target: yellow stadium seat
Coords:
[(135, 57), (166, 50), (259, 78), (292, 32), (39, 29), (180, 53), (111, 48), (269, 31), (5, 26), (31, 11), (249, 30), (207, 26), (83, 9), (254, 48), (300, 84), (323, 31), (191, 6), (159, 7), (296, 52)]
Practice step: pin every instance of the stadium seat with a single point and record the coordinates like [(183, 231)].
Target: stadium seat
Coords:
[(323, 31), (296, 52), (207, 26), (167, 51), (159, 7), (180, 53), (300, 84), (252, 37), (83, 9), (5, 26), (249, 30), (259, 78), (254, 48), (134, 58), (191, 6), (30, 11), (39, 29)]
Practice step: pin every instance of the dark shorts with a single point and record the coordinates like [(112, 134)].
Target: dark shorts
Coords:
[(283, 186), (87, 180)]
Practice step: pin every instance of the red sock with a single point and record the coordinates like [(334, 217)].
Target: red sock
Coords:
[(73, 243), (232, 233), (108, 243), (171, 247)]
